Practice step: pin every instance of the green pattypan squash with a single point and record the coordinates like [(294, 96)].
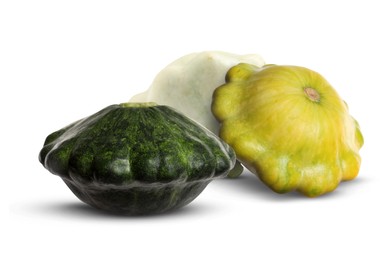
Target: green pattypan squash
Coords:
[(136, 158)]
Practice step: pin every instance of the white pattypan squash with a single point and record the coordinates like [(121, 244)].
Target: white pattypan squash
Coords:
[(188, 83)]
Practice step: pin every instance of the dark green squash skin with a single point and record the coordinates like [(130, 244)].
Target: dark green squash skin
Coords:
[(136, 158)]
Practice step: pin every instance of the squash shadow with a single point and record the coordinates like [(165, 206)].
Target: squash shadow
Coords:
[(78, 209), (248, 184)]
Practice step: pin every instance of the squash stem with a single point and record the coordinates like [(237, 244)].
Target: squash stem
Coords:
[(312, 94)]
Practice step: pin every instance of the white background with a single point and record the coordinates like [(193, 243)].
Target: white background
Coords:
[(64, 60)]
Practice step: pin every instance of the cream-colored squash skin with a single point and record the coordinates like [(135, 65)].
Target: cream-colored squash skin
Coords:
[(188, 83), (289, 126)]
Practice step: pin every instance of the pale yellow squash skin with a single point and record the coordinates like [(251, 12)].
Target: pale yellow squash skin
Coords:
[(289, 126)]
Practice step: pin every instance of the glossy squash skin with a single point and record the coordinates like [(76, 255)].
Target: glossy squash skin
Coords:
[(136, 158)]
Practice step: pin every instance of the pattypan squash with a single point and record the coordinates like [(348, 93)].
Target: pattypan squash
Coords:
[(136, 158), (188, 83), (289, 126)]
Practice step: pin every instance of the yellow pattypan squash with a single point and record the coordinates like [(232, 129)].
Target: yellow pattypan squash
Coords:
[(289, 126)]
